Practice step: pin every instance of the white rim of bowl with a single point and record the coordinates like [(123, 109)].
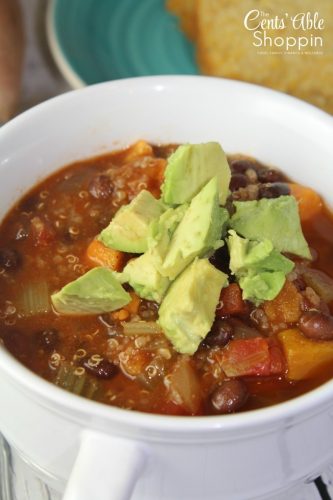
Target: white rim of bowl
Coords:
[(300, 407), (72, 77)]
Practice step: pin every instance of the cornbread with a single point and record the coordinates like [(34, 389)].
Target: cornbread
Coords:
[(186, 11), (259, 42)]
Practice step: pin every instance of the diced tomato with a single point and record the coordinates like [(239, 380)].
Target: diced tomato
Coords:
[(232, 301), (277, 358), (251, 357)]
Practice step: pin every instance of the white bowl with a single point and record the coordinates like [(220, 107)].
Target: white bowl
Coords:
[(235, 457)]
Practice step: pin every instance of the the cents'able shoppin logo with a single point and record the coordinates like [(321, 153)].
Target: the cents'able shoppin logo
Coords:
[(288, 33)]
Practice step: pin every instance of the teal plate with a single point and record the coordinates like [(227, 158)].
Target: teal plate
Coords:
[(98, 40)]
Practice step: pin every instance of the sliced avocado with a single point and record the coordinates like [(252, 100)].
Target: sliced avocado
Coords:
[(96, 292), (190, 167), (198, 233), (128, 230), (275, 219), (259, 268), (144, 277), (188, 309)]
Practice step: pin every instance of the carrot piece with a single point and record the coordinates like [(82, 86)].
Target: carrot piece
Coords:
[(286, 307), (309, 202), (99, 255), (232, 301), (305, 357), (120, 315), (133, 306)]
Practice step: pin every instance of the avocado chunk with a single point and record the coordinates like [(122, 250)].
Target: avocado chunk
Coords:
[(98, 291), (259, 268), (162, 230), (199, 232), (262, 286), (142, 273), (190, 167), (275, 219), (187, 312), (128, 230)]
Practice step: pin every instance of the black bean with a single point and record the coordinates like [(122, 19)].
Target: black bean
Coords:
[(148, 310), (243, 330), (220, 259), (10, 259), (47, 339), (164, 151), (273, 190), (270, 175), (220, 334), (316, 325), (299, 284), (238, 181), (241, 166), (101, 187), (103, 369), (229, 396)]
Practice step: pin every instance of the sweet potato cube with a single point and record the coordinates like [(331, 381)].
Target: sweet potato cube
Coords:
[(100, 255), (286, 307), (305, 357)]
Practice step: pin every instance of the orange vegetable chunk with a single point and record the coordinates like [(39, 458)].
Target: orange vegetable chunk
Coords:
[(309, 202), (120, 315), (133, 306), (305, 357), (139, 149), (286, 307), (100, 255)]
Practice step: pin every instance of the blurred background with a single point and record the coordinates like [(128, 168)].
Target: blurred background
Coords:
[(50, 46), (41, 78)]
